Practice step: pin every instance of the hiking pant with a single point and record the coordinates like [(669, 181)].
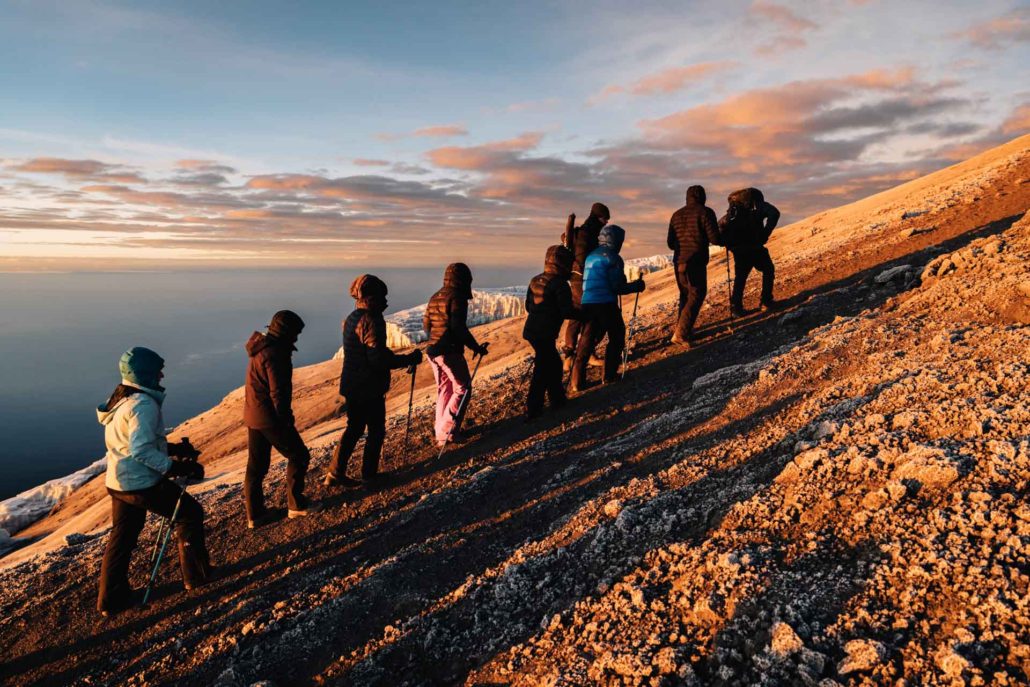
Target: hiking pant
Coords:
[(452, 383), (604, 318), (363, 412), (573, 328), (745, 259), (128, 515), (547, 377), (286, 441), (692, 279)]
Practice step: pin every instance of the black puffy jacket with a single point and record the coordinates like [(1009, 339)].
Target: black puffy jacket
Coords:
[(367, 360), (693, 228), (447, 312), (744, 227), (549, 298), (585, 243)]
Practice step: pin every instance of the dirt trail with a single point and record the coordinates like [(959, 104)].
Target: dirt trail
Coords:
[(834, 492)]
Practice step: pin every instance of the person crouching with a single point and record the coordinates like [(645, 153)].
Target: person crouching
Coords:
[(364, 381), (604, 280), (140, 462), (548, 304)]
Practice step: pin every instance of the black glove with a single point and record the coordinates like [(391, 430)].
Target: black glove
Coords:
[(183, 449), (414, 358), (481, 349), (189, 469), (637, 286)]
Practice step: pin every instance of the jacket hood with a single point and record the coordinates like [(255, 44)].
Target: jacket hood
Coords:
[(256, 343), (559, 261), (369, 292), (458, 276), (142, 367), (286, 325), (611, 237), (600, 211), (120, 396), (696, 195)]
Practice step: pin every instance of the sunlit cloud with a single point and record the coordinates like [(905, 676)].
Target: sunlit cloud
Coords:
[(435, 131), (994, 34), (669, 80)]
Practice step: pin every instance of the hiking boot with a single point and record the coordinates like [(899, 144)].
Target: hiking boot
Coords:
[(567, 363), (266, 518), (738, 311), (123, 603), (595, 361), (343, 482), (303, 509), (211, 576), (768, 306)]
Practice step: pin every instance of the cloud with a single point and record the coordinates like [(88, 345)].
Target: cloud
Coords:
[(366, 162), (994, 34), (668, 80), (1018, 122), (435, 131), (781, 15), (441, 131), (79, 169), (786, 25), (206, 166)]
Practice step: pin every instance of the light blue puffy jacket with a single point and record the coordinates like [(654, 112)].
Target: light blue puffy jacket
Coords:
[(137, 448)]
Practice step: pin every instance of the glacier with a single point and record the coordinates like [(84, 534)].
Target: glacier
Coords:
[(22, 510)]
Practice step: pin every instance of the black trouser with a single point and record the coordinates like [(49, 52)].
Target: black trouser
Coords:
[(746, 258), (547, 377), (128, 515), (286, 441), (692, 279), (573, 328), (603, 318), (363, 412)]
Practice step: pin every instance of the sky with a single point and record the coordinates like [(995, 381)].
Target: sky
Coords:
[(259, 134)]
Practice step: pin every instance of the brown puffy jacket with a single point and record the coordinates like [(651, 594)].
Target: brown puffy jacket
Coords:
[(693, 228), (268, 394), (447, 311)]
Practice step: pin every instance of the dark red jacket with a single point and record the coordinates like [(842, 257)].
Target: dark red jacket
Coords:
[(268, 394)]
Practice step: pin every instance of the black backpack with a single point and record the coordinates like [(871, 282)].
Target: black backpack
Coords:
[(743, 217)]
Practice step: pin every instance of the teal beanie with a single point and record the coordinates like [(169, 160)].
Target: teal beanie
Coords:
[(141, 366)]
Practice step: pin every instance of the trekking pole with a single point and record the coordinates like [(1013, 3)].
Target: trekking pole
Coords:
[(411, 404), (629, 337), (729, 293), (164, 544), (460, 415)]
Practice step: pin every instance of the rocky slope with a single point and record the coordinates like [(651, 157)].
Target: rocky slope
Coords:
[(831, 494)]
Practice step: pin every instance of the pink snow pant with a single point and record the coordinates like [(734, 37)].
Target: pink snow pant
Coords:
[(452, 382)]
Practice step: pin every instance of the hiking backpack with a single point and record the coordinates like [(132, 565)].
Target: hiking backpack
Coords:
[(743, 217)]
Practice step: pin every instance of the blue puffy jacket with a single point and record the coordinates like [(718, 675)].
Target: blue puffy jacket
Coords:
[(604, 275)]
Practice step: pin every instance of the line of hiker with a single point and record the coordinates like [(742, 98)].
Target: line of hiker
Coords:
[(581, 288)]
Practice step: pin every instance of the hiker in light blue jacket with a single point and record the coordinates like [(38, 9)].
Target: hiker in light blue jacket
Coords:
[(140, 462), (604, 280)]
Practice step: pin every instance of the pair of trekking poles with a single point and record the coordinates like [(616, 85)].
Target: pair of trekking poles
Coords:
[(458, 416), (164, 529)]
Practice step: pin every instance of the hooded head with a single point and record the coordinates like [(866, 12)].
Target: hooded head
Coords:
[(611, 237), (458, 276), (369, 292), (600, 211), (141, 367), (696, 195), (286, 326), (559, 261)]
